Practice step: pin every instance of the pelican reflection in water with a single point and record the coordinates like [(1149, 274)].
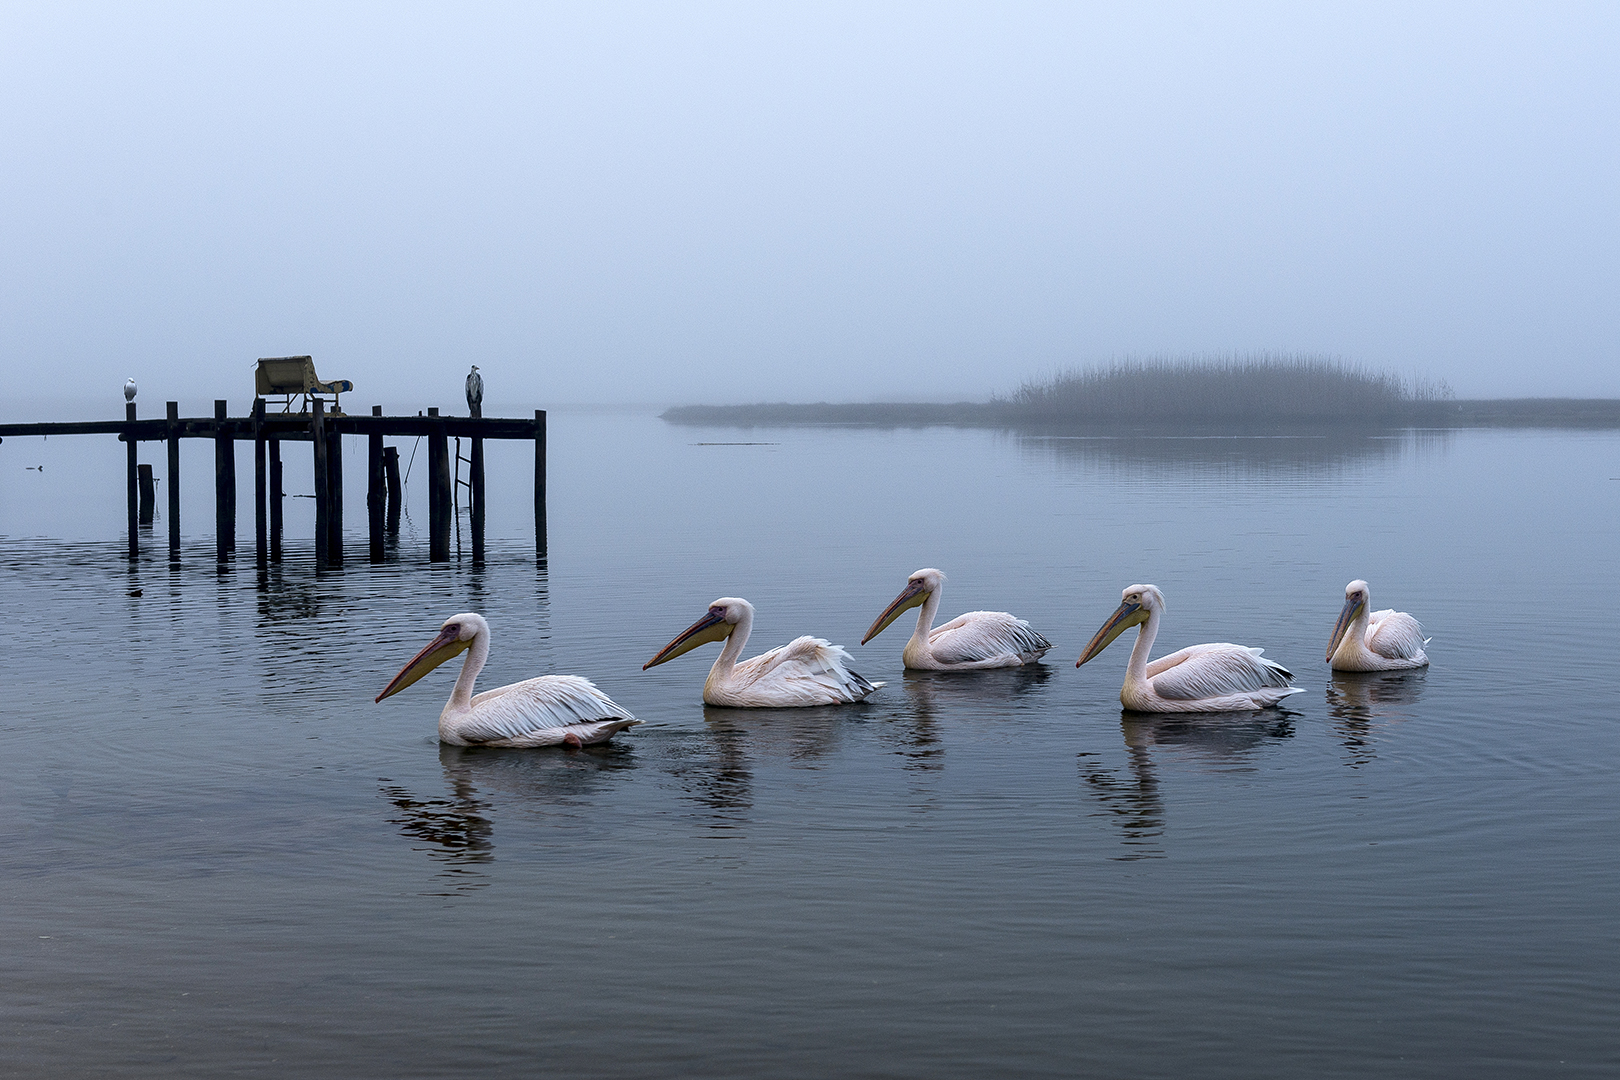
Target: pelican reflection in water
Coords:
[(1361, 702), (805, 671), (553, 710), (1218, 677), (971, 642)]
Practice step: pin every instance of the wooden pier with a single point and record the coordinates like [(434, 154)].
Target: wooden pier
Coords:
[(325, 432)]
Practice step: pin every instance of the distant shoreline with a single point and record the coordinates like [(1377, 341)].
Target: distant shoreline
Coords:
[(1591, 413)]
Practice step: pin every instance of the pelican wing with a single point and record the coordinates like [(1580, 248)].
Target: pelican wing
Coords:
[(804, 671), (1395, 635), (986, 635), (1215, 670), (537, 712)]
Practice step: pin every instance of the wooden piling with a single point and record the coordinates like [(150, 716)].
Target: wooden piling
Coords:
[(173, 417), (148, 494), (475, 486), (375, 498), (132, 481), (540, 482), (317, 429), (261, 526), (439, 493), (334, 495), (391, 475), (224, 488), (273, 448)]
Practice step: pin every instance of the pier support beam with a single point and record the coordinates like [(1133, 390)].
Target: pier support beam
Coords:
[(334, 495), (273, 448), (317, 430), (540, 482), (439, 493), (391, 475), (148, 494), (132, 481), (224, 489), (375, 498), (261, 524), (173, 478), (475, 487)]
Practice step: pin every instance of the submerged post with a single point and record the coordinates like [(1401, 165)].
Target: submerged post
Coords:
[(540, 482), (334, 494), (475, 484), (261, 530), (374, 489), (273, 447), (439, 493), (224, 486), (148, 493), (132, 481), (391, 474), (317, 430), (173, 409)]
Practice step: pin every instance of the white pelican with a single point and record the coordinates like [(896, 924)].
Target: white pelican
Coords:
[(1200, 678), (805, 671), (979, 639), (548, 711), (1379, 641)]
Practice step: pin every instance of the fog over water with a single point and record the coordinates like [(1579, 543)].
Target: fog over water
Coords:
[(713, 202)]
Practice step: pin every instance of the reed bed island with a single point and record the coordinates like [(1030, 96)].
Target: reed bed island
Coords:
[(1232, 393)]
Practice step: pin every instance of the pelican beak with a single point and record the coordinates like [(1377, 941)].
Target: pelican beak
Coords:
[(712, 627), (440, 649), (1125, 617), (914, 594), (1352, 606)]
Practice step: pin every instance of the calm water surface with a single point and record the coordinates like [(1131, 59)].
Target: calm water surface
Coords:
[(222, 859)]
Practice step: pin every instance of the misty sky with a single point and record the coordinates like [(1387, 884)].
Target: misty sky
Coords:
[(739, 202)]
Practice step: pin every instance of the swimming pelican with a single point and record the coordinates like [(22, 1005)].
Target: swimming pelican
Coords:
[(1382, 641), (548, 711), (1200, 678), (805, 671), (979, 639)]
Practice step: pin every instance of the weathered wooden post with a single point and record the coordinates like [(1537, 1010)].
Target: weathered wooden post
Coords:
[(334, 493), (475, 484), (391, 474), (540, 482), (317, 430), (133, 482), (261, 526), (173, 410), (375, 498), (148, 494), (224, 486), (276, 495), (439, 492)]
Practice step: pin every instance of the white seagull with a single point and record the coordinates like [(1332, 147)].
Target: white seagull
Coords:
[(1200, 678), (129, 389), (979, 639), (552, 710), (1377, 641), (805, 671)]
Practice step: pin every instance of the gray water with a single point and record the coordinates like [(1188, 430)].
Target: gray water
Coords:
[(222, 859)]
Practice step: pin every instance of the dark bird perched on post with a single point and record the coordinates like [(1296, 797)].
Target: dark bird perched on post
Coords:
[(475, 392)]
